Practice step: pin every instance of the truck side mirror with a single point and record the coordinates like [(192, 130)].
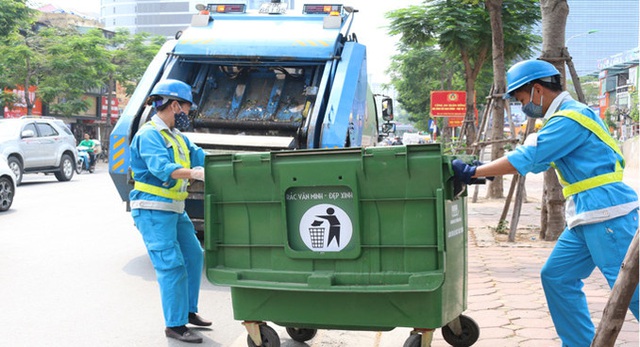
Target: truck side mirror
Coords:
[(387, 109)]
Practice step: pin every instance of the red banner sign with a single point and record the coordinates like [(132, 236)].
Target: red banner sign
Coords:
[(448, 103), (20, 108)]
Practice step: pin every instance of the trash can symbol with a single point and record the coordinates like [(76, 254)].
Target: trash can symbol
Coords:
[(317, 234)]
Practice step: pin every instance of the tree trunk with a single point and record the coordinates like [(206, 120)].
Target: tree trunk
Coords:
[(554, 20), (496, 189), (554, 218), (469, 125), (27, 99)]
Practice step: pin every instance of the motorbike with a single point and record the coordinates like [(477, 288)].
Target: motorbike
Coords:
[(84, 160)]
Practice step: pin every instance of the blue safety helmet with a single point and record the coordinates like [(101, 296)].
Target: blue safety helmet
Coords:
[(526, 71), (171, 89)]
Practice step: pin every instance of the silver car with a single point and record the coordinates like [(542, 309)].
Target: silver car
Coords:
[(38, 145), (7, 185)]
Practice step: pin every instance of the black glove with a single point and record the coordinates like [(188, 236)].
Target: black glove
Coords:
[(463, 171)]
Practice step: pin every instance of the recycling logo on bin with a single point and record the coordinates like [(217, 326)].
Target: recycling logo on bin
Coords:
[(326, 228)]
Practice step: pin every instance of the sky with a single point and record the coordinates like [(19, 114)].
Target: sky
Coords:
[(369, 26)]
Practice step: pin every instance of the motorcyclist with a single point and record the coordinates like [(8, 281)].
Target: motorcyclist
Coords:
[(90, 146)]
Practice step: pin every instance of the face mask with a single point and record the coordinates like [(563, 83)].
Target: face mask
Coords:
[(532, 110), (182, 121)]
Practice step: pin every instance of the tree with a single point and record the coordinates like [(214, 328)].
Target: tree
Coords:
[(495, 189), (128, 57), (74, 63), (23, 56), (14, 14), (554, 20), (461, 30)]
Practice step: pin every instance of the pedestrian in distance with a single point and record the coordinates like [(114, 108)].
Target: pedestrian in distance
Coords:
[(163, 162), (601, 211)]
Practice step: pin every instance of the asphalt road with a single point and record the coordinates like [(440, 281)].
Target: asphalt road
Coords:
[(74, 272)]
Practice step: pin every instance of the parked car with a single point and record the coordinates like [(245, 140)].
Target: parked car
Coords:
[(38, 145), (7, 185)]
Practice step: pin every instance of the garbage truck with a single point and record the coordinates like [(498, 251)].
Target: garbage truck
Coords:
[(264, 80)]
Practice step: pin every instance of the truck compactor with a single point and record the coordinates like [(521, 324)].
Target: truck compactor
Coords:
[(262, 81)]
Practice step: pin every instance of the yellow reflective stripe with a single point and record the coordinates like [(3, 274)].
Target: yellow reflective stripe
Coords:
[(594, 127), (159, 191), (604, 136), (174, 191), (561, 179), (592, 182)]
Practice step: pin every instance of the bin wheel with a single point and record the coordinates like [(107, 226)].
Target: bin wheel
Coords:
[(413, 341), (469, 336), (269, 337), (301, 334)]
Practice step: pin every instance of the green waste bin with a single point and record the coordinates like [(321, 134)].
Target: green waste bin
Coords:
[(353, 239)]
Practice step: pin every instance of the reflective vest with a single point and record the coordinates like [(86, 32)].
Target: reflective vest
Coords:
[(596, 181), (181, 157)]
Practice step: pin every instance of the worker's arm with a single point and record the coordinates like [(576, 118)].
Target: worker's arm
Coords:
[(196, 173), (498, 167)]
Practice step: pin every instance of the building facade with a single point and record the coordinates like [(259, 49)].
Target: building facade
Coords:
[(158, 17)]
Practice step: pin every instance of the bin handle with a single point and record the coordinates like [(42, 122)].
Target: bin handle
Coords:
[(439, 219)]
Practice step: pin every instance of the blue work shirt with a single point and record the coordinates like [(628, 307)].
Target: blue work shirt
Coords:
[(578, 154), (152, 161)]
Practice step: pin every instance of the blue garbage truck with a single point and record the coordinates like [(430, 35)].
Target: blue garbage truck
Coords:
[(262, 80)]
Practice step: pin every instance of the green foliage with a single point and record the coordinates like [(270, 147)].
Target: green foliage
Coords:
[(130, 56), (446, 44), (14, 14), (66, 65)]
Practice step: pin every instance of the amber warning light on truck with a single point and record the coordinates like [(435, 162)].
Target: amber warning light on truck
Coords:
[(223, 8), (321, 9)]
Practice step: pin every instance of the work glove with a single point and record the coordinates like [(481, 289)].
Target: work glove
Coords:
[(197, 173), (463, 171)]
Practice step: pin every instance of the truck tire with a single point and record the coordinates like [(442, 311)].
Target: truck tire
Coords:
[(67, 168)]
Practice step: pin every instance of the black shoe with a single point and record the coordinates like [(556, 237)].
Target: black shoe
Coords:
[(197, 320), (187, 336)]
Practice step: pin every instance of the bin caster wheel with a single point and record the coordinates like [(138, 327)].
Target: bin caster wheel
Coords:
[(413, 341), (269, 337), (301, 334), (469, 335)]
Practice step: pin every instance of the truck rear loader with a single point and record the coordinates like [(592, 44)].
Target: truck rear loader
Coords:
[(262, 81)]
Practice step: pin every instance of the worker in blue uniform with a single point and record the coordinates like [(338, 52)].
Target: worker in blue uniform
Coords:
[(601, 211), (163, 162)]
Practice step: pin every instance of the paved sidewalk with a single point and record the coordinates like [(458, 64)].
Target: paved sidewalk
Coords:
[(505, 296)]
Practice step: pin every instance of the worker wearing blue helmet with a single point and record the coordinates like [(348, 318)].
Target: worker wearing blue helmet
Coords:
[(163, 161), (601, 211)]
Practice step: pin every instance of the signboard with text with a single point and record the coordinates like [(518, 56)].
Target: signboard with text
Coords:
[(448, 103), (19, 108)]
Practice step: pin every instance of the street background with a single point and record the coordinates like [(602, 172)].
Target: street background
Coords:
[(75, 273)]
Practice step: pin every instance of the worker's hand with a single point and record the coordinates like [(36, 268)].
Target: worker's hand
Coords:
[(197, 173), (463, 171)]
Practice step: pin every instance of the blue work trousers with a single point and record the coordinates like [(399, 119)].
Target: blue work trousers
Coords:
[(576, 254), (177, 257)]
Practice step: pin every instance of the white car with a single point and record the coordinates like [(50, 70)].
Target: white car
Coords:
[(7, 185), (33, 144)]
